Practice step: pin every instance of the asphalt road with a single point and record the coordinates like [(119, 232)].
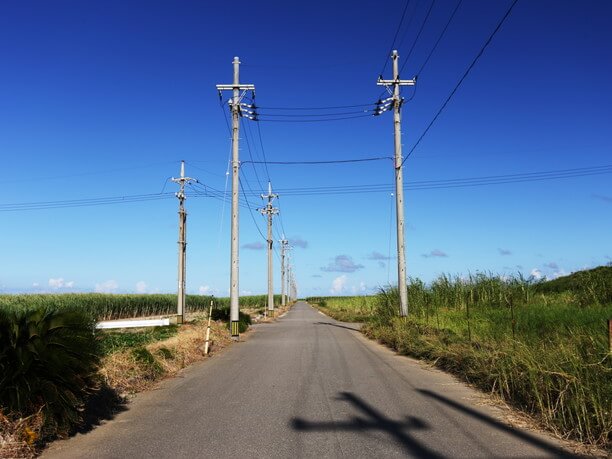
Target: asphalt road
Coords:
[(307, 386)]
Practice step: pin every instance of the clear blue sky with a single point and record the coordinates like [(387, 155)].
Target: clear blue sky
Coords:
[(102, 99)]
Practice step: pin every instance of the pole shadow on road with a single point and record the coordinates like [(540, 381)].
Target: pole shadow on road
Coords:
[(374, 420), (348, 327), (523, 436)]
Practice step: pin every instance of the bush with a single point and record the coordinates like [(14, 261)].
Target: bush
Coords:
[(48, 359), (244, 320)]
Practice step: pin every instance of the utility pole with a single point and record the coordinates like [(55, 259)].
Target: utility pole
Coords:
[(283, 243), (236, 87), (270, 212), (399, 185), (182, 242)]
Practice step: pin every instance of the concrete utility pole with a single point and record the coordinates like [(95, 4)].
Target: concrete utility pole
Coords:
[(236, 87), (399, 181), (182, 242), (270, 212), (283, 243)]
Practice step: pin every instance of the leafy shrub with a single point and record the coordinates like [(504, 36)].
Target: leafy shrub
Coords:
[(244, 320), (48, 358)]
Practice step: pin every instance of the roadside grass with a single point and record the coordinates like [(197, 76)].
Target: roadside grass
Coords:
[(53, 361), (103, 306), (542, 350)]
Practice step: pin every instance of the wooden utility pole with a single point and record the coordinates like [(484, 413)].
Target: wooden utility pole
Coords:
[(283, 243), (270, 212), (236, 87), (182, 242), (399, 181)]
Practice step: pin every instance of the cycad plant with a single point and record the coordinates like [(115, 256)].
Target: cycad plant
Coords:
[(48, 359)]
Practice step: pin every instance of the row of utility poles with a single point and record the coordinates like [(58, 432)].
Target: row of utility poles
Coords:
[(288, 285), (287, 281)]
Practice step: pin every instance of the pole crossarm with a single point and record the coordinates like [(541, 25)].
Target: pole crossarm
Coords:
[(381, 82), (240, 87)]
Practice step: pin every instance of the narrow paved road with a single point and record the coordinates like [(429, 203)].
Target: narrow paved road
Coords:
[(307, 386)]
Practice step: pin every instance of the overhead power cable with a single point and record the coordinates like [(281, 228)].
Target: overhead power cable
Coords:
[(334, 161), (399, 26), (452, 183), (321, 120), (337, 107), (465, 74), (433, 49), (87, 202), (418, 35)]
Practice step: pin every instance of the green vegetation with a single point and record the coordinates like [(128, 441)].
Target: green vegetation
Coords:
[(50, 351), (48, 361), (114, 341), (110, 306), (539, 345)]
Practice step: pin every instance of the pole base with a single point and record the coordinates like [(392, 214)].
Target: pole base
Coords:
[(235, 329)]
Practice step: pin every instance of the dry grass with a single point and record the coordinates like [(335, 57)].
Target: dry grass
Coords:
[(128, 373), (18, 436)]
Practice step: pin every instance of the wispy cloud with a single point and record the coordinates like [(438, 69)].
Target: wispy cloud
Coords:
[(339, 284), (316, 275), (603, 198), (110, 286), (377, 256), (206, 290), (435, 253), (504, 252), (382, 264), (551, 265), (254, 246), (342, 264), (60, 283), (298, 242)]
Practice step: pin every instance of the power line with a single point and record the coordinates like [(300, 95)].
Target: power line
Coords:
[(263, 151), (399, 26), (453, 183), (251, 212), (335, 161), (416, 39), (315, 121), (439, 38), (503, 19), (291, 115), (337, 107), (87, 202)]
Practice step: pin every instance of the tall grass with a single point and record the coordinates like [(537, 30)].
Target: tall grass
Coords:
[(113, 306), (545, 351)]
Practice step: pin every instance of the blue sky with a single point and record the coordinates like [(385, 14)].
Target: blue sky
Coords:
[(102, 99)]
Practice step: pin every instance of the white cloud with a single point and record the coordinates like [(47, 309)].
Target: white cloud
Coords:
[(246, 292), (35, 284), (536, 273), (58, 283), (205, 290), (339, 284), (141, 287), (110, 286)]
